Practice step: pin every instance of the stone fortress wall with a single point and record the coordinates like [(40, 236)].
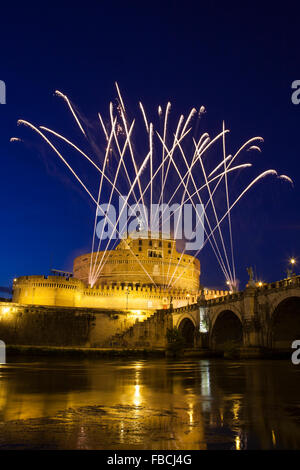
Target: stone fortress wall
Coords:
[(41, 325), (71, 292)]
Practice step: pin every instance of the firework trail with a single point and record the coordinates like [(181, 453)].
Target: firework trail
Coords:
[(171, 168)]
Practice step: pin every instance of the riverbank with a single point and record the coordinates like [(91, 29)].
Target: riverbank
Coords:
[(81, 352)]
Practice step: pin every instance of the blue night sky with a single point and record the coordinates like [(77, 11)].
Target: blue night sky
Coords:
[(238, 62)]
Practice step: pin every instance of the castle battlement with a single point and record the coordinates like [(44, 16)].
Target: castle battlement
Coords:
[(72, 292)]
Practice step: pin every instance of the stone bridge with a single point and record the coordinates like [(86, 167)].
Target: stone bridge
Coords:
[(263, 317)]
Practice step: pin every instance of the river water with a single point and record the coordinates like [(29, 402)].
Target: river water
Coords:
[(149, 404)]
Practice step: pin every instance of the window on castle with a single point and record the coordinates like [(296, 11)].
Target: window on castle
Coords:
[(154, 254)]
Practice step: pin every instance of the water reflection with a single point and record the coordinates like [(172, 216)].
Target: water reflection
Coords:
[(150, 405)]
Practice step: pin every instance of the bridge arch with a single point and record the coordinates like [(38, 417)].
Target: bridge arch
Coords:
[(187, 328), (285, 323), (226, 331)]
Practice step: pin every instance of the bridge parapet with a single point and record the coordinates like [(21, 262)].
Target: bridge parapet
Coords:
[(288, 282), (236, 296), (185, 308)]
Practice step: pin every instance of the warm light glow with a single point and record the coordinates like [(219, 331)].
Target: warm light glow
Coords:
[(237, 443), (235, 410), (203, 328), (137, 395), (292, 261), (260, 284), (221, 416), (136, 312), (190, 413), (5, 310), (205, 380), (137, 315)]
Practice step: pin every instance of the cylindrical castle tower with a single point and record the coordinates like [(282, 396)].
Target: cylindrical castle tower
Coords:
[(141, 261)]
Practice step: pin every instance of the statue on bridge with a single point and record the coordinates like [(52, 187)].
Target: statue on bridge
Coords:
[(289, 273), (250, 272), (201, 297), (251, 282)]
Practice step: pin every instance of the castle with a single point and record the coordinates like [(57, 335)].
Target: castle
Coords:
[(129, 297), (141, 274)]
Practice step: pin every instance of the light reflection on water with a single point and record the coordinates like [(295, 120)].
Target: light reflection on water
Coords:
[(149, 404)]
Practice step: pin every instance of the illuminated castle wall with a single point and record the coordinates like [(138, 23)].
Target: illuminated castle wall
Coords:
[(71, 292)]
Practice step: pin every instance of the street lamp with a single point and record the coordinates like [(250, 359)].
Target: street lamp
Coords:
[(230, 286), (293, 262)]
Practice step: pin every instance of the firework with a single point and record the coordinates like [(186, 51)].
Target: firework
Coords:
[(172, 168)]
